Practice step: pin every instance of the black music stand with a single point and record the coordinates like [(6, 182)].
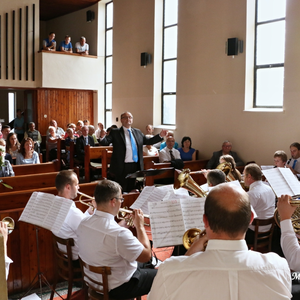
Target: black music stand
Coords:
[(146, 173)]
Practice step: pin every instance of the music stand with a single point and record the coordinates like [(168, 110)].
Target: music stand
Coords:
[(146, 173)]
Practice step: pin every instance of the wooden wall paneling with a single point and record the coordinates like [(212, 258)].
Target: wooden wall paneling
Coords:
[(26, 43), (33, 42), (13, 44), (20, 44)]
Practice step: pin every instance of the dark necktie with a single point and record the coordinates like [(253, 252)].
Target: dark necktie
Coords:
[(133, 146), (171, 154)]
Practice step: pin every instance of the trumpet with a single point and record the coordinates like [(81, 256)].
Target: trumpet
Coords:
[(190, 236), (122, 210), (10, 224)]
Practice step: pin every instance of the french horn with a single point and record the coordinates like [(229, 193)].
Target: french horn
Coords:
[(186, 181), (226, 168)]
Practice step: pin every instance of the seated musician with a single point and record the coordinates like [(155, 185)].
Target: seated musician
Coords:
[(294, 162), (261, 196), (227, 269), (215, 177), (66, 183), (280, 159), (234, 171), (103, 242), (4, 233)]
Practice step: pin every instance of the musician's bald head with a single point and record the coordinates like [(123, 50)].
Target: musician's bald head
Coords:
[(227, 211), (106, 190)]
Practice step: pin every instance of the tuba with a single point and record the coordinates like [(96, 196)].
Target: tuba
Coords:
[(186, 181), (226, 168)]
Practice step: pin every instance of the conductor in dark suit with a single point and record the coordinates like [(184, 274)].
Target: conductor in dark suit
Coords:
[(127, 156), (226, 149), (85, 139)]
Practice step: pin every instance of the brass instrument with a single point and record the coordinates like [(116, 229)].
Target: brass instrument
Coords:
[(10, 224), (186, 181), (190, 235), (226, 167), (122, 211)]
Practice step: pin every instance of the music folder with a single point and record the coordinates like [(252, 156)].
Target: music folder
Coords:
[(282, 181), (46, 210)]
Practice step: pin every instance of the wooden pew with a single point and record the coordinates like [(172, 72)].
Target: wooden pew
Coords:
[(28, 182), (194, 165), (106, 158), (21, 246), (91, 153), (36, 168)]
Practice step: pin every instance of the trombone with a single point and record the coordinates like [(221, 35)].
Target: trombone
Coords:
[(122, 210)]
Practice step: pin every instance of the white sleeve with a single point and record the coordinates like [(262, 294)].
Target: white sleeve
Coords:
[(290, 245), (158, 291), (8, 261)]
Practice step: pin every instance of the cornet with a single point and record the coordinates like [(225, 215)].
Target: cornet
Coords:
[(10, 224), (190, 236)]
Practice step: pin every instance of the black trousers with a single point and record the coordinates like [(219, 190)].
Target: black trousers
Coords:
[(139, 284)]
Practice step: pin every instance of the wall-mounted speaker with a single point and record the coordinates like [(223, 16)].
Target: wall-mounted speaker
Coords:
[(232, 46), (90, 16), (145, 59)]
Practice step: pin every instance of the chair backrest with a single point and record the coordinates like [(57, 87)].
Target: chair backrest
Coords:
[(106, 158), (263, 239), (102, 287)]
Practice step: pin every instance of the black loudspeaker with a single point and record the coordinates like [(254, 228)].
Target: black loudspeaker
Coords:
[(90, 16), (232, 46), (145, 59)]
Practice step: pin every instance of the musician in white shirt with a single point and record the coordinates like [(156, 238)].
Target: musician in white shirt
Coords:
[(280, 159), (4, 233), (227, 269)]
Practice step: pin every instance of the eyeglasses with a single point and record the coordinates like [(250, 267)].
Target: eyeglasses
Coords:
[(127, 117), (121, 199)]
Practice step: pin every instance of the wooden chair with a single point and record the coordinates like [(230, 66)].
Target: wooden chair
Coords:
[(100, 293), (64, 265), (106, 158), (262, 240)]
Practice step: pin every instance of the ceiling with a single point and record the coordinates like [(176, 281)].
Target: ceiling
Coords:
[(50, 9)]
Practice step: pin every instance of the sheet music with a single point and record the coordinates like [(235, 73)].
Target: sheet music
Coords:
[(291, 180), (267, 167), (167, 224), (148, 194), (192, 212), (46, 210), (277, 180)]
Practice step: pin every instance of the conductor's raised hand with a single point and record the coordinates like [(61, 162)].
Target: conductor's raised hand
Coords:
[(163, 133)]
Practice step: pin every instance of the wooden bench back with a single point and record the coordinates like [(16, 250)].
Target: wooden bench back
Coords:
[(36, 168)]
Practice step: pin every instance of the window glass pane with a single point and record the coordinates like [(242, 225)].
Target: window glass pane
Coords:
[(170, 42), (109, 43), (109, 69), (270, 10), (269, 90), (108, 116), (171, 12), (109, 15), (169, 77), (108, 96), (169, 109), (270, 43)]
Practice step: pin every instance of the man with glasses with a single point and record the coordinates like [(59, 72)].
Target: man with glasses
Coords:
[(103, 242), (127, 156), (226, 149)]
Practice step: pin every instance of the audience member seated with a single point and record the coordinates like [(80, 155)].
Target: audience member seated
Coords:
[(86, 122), (79, 125), (261, 196), (226, 269), (4, 233), (82, 47), (150, 133), (98, 130), (1, 135), (34, 135), (163, 144), (19, 125), (49, 43), (5, 131), (280, 159), (70, 137), (149, 150), (118, 248), (294, 162), (66, 45), (26, 154), (12, 145), (234, 171), (6, 169), (215, 177), (51, 142), (92, 133), (226, 149), (58, 130), (7, 155), (85, 139), (168, 153), (186, 150)]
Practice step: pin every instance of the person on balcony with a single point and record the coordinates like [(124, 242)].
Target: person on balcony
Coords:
[(66, 45), (49, 44)]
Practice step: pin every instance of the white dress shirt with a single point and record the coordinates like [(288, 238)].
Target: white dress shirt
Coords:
[(226, 270), (262, 199), (8, 261), (69, 228), (103, 242), (164, 154), (289, 244), (297, 166)]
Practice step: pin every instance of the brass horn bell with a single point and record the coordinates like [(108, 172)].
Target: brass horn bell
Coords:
[(10, 224)]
